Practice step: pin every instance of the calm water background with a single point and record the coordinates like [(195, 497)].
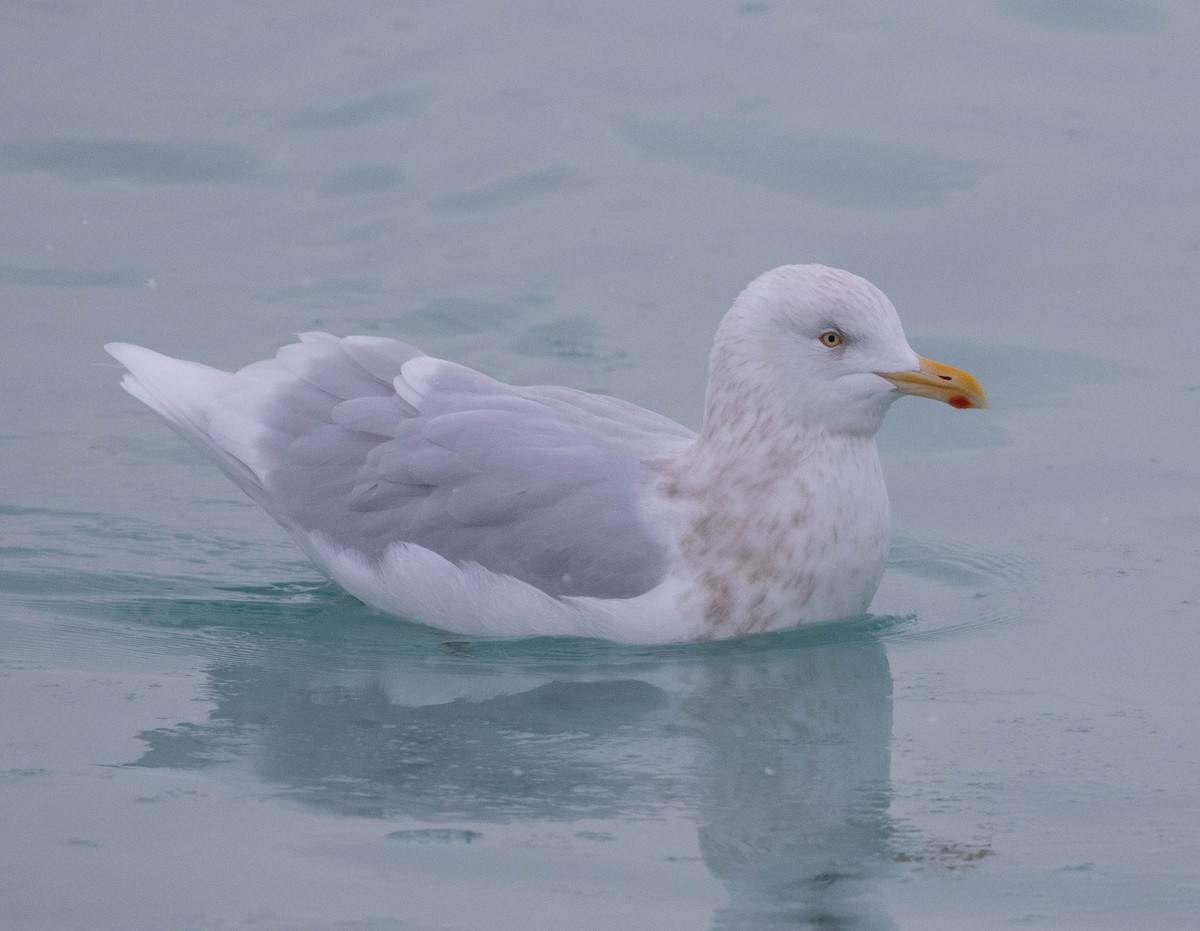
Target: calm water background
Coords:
[(196, 732)]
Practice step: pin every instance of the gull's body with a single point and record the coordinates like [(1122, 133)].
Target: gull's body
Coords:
[(435, 493)]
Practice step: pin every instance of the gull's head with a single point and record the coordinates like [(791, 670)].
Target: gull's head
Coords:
[(823, 348)]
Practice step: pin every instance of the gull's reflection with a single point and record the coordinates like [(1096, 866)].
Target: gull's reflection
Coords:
[(347, 747), (777, 746), (793, 808)]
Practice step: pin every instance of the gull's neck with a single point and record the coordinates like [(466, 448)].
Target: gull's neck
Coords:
[(778, 522)]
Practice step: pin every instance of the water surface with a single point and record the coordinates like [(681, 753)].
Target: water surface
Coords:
[(197, 732)]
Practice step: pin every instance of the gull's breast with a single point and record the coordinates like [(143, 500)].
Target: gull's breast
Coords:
[(756, 552)]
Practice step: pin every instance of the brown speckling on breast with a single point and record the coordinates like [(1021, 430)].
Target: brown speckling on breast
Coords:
[(720, 598), (757, 549)]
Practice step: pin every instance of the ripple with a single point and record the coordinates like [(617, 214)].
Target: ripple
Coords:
[(957, 566), (132, 160), (955, 590), (1086, 15), (510, 191), (368, 179), (351, 113), (67, 278), (851, 172), (435, 836)]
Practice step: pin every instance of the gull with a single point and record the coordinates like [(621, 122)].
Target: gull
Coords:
[(434, 493)]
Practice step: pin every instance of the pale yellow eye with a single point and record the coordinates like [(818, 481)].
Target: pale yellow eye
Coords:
[(831, 338)]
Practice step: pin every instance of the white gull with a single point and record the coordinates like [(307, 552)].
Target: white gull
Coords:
[(435, 493)]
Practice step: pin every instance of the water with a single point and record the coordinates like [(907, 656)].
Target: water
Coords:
[(196, 732)]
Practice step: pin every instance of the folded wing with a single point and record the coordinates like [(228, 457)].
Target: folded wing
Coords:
[(371, 443)]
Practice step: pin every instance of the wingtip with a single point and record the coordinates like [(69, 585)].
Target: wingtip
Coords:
[(122, 351)]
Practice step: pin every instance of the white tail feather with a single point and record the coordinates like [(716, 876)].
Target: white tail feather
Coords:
[(184, 394)]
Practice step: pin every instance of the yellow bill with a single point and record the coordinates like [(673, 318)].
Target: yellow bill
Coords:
[(942, 383)]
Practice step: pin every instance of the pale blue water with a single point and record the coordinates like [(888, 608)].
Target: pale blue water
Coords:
[(196, 732)]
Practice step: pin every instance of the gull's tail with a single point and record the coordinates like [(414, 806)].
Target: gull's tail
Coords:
[(281, 413), (188, 395)]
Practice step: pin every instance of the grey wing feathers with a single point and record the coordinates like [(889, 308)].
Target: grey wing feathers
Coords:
[(370, 443)]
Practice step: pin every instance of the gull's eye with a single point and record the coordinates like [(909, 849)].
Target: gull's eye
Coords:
[(831, 339)]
